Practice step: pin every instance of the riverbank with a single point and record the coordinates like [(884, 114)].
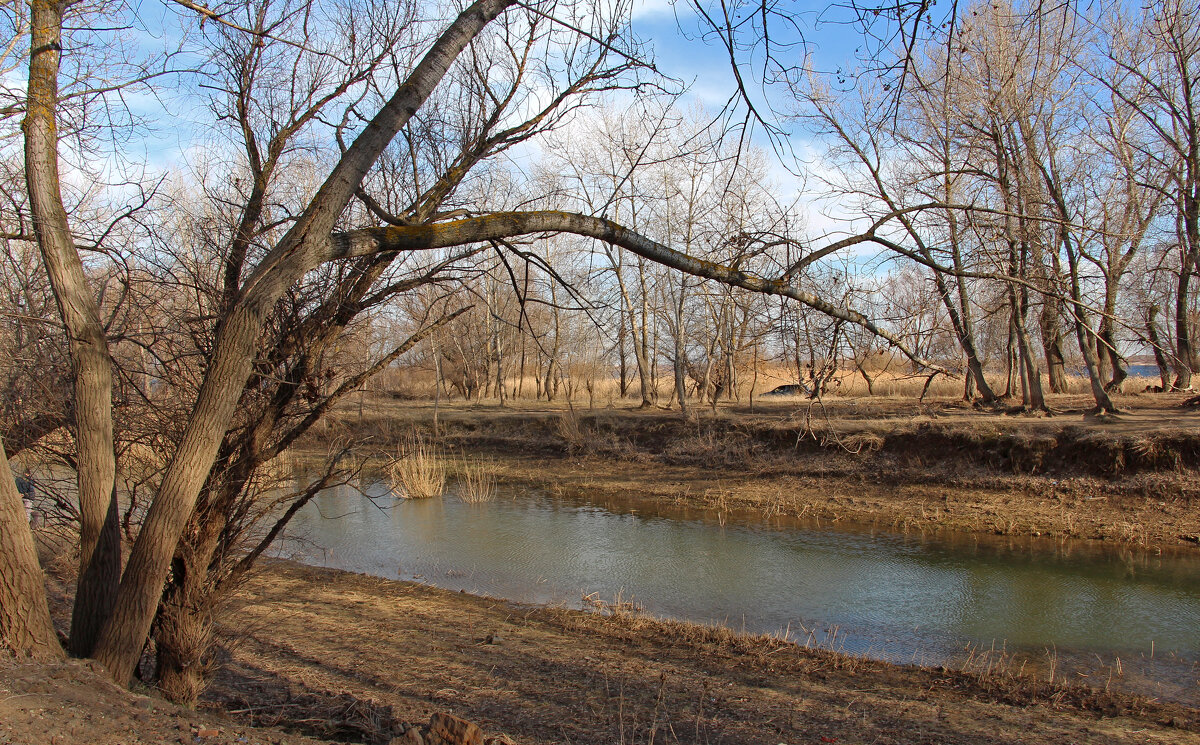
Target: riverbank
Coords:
[(897, 464), (545, 675), (322, 654), (311, 655)]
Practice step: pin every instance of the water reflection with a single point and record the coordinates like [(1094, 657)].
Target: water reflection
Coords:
[(897, 597)]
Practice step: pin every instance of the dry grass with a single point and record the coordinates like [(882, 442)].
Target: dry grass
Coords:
[(475, 479), (418, 471), (575, 435), (866, 441), (892, 379)]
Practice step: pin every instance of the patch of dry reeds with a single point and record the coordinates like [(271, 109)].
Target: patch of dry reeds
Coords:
[(418, 471), (863, 442), (475, 479)]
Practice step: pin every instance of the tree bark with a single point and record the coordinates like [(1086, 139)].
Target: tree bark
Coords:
[(680, 363), (99, 539), (1160, 359), (1184, 364), (1056, 364), (25, 624), (1107, 347)]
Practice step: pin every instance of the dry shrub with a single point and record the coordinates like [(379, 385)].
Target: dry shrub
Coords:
[(573, 432), (1147, 449), (418, 471), (862, 442)]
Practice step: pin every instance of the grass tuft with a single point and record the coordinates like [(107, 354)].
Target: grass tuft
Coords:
[(574, 434), (476, 479), (418, 471)]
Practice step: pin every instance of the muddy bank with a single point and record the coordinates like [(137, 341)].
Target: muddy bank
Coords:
[(1077, 508), (896, 464), (902, 439)]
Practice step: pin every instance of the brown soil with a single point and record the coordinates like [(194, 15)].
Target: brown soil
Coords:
[(348, 657), (73, 703), (892, 463)]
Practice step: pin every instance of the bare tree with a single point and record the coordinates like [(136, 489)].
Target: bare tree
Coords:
[(1155, 59), (301, 263)]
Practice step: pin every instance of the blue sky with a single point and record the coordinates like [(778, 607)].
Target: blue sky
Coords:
[(681, 48), (683, 51)]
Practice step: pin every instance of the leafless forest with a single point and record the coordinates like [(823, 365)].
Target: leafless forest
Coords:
[(222, 220)]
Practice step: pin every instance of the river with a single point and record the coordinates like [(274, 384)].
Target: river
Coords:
[(1118, 616)]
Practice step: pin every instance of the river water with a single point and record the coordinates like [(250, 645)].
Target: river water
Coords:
[(1121, 617)]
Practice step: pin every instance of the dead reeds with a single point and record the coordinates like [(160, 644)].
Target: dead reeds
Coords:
[(418, 471), (475, 479), (574, 434)]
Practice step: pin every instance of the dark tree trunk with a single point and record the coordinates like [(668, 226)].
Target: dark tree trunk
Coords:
[(1160, 359), (1184, 362), (1056, 364)]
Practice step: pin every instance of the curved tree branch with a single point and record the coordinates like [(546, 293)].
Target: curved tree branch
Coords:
[(502, 225)]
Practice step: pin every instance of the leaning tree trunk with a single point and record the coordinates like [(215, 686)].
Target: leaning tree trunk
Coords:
[(99, 539), (298, 251), (1160, 359), (1104, 404), (25, 624), (1086, 337)]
